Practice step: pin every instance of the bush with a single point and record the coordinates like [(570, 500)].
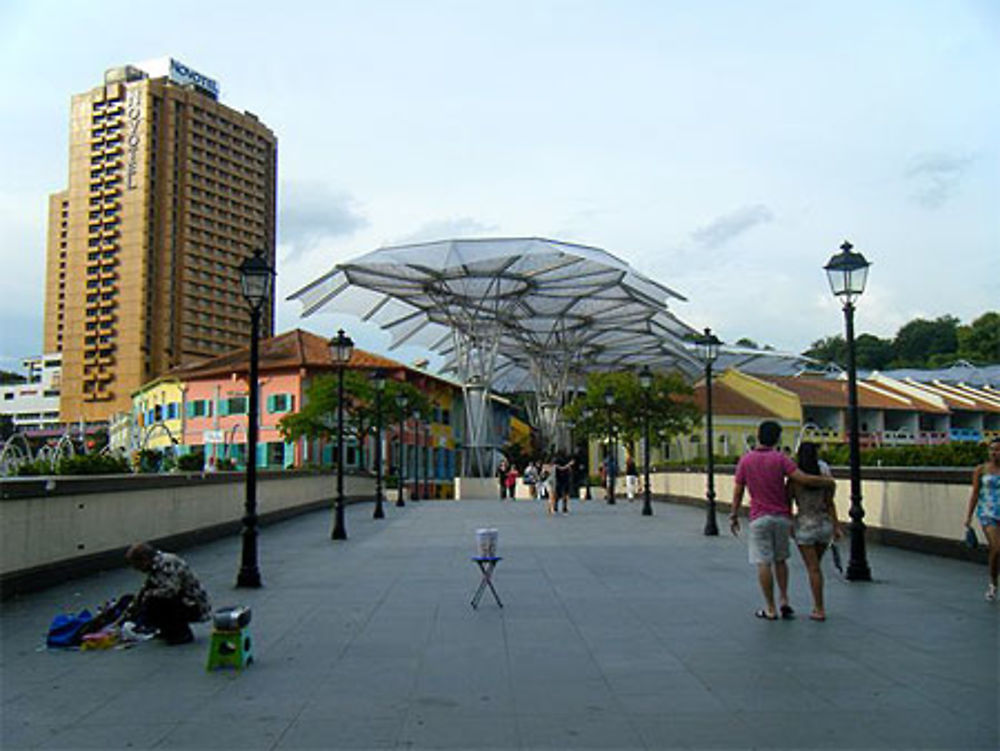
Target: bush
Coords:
[(82, 464), (946, 455), (225, 465), (191, 462), (93, 464), (35, 468)]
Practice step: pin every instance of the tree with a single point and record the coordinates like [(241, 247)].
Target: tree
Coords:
[(919, 340), (871, 352), (979, 342), (8, 377), (828, 349), (317, 417), (668, 416)]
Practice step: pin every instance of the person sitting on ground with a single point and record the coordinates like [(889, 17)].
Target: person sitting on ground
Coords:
[(169, 599)]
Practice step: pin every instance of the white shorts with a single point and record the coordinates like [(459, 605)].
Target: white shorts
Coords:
[(768, 539)]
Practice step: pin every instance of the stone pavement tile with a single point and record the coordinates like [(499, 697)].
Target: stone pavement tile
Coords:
[(692, 730), (964, 699), (681, 698), (246, 732), (139, 734), (593, 728), (795, 728), (441, 728), (922, 729), (351, 731), (562, 697)]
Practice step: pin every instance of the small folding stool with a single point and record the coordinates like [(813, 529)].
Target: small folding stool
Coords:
[(487, 565), (231, 644), (230, 649)]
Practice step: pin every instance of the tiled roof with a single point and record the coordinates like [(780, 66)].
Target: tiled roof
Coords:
[(960, 397), (827, 392), (291, 350), (730, 402)]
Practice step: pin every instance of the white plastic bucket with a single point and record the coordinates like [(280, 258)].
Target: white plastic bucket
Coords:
[(486, 539)]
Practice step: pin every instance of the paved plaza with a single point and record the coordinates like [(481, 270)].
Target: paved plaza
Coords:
[(618, 631)]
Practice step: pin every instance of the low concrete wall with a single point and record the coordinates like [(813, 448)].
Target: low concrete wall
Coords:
[(917, 508), (57, 527), (476, 487)]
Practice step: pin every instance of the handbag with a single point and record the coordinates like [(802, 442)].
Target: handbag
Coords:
[(971, 541), (835, 552)]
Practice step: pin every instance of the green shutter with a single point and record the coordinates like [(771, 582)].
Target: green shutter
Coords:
[(270, 403), (189, 409), (223, 407)]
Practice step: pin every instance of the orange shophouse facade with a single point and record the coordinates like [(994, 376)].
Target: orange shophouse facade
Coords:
[(216, 401)]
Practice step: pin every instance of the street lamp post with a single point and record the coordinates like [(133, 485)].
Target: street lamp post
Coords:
[(256, 280), (428, 459), (609, 400), (416, 455), (708, 345), (646, 383), (379, 382), (340, 351), (588, 415), (401, 403), (848, 272)]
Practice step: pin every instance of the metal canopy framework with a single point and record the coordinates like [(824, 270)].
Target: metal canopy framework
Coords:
[(511, 314)]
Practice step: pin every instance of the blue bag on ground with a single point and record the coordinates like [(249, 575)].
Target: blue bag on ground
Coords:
[(67, 629)]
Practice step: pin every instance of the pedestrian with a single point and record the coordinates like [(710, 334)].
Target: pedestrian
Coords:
[(763, 470), (985, 501), (563, 471), (815, 523), (631, 478), (510, 480), (530, 478), (170, 598), (502, 470), (545, 484)]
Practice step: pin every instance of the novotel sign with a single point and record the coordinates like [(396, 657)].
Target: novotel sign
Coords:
[(182, 74)]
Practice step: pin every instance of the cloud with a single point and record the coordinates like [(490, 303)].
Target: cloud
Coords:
[(310, 212), (728, 226), (447, 229), (936, 178)]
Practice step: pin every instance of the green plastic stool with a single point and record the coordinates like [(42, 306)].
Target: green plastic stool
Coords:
[(230, 649)]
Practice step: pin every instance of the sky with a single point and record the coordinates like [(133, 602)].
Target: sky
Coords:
[(723, 148)]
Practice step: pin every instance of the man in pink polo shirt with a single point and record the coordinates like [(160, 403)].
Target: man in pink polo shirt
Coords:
[(764, 470)]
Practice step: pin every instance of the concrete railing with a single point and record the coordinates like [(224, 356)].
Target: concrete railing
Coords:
[(918, 508), (57, 527)]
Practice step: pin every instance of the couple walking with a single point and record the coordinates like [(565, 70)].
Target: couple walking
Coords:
[(764, 471)]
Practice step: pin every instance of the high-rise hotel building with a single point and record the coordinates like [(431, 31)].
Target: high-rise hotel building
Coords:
[(169, 190)]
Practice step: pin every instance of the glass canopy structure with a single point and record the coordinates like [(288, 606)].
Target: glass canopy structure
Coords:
[(510, 314)]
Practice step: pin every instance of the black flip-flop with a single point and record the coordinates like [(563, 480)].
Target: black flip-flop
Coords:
[(787, 613), (763, 614)]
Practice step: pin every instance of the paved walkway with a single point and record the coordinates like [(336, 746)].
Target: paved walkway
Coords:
[(619, 631)]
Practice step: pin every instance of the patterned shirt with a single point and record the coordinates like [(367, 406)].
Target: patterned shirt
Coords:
[(989, 496), (169, 577)]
